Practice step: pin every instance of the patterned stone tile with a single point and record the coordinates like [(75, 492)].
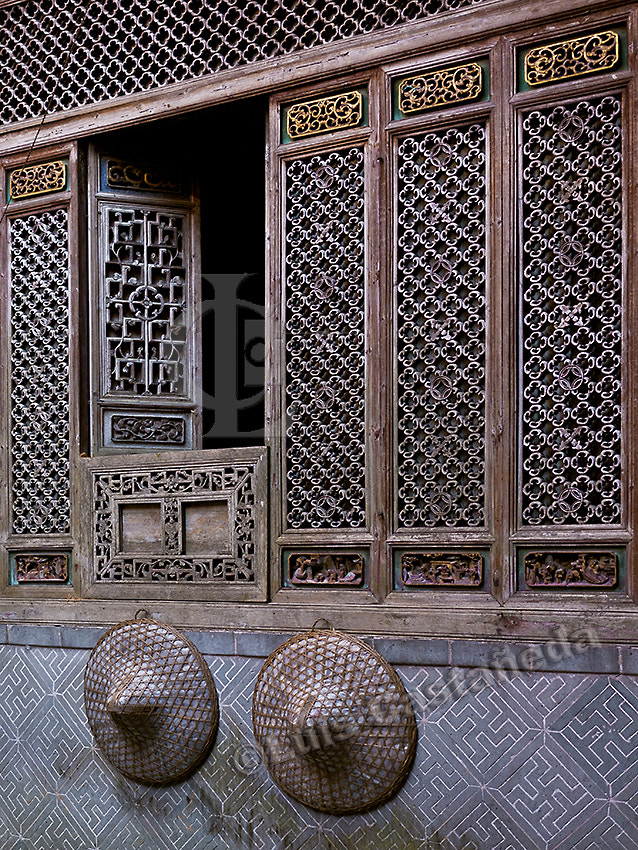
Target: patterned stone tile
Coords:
[(480, 824), (547, 695), (476, 732), (55, 825), (436, 788), (613, 829), (395, 829), (22, 791), (546, 792), (600, 732), (540, 761)]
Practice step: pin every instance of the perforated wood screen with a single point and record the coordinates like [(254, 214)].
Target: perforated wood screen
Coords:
[(111, 49)]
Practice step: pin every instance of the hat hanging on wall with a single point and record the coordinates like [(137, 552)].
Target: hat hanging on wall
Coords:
[(150, 701), (334, 722)]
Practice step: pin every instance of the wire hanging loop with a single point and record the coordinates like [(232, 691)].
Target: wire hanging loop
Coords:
[(328, 625)]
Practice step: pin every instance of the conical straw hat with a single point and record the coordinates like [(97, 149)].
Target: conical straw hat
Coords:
[(150, 701), (334, 722)]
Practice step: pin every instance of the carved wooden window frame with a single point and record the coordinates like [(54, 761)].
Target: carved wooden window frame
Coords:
[(504, 547), (158, 565), (499, 608), (40, 202), (165, 421)]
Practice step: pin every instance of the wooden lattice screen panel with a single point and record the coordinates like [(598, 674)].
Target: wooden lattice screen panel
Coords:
[(117, 48)]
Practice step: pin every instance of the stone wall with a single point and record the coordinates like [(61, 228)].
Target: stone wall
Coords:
[(545, 759)]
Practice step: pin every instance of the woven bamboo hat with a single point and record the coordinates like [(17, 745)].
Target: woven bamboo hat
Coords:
[(334, 722), (150, 701)]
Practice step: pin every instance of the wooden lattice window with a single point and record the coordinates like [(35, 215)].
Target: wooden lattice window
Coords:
[(450, 334), (449, 366), (144, 232)]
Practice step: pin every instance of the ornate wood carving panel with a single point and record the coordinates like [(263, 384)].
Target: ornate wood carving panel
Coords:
[(39, 373), (41, 179), (328, 569), (445, 87), (571, 569), (35, 567), (441, 569), (441, 297), (574, 57), (144, 298), (167, 519), (163, 430), (571, 300), (314, 117)]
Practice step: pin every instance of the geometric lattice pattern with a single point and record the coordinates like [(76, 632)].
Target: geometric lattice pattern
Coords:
[(39, 257), (571, 345), (540, 761), (108, 50), (150, 701), (232, 486), (441, 260), (144, 300), (335, 723), (325, 341)]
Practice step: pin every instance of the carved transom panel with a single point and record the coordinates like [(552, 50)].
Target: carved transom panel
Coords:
[(32, 567), (325, 344), (141, 178), (441, 88), (325, 114), (195, 523), (325, 569), (144, 297), (442, 569), (162, 430), (441, 270), (40, 488), (574, 57), (571, 347), (31, 180)]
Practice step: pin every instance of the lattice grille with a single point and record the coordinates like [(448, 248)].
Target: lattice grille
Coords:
[(169, 558), (572, 313), (39, 257), (145, 301), (325, 340), (441, 328), (60, 54)]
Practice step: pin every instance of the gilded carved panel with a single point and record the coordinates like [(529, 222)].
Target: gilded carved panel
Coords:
[(324, 115), (445, 87), (575, 57), (41, 179)]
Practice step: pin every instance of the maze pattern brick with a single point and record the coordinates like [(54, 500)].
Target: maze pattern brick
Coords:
[(538, 761)]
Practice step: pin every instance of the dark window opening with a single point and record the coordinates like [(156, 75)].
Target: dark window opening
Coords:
[(222, 149)]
